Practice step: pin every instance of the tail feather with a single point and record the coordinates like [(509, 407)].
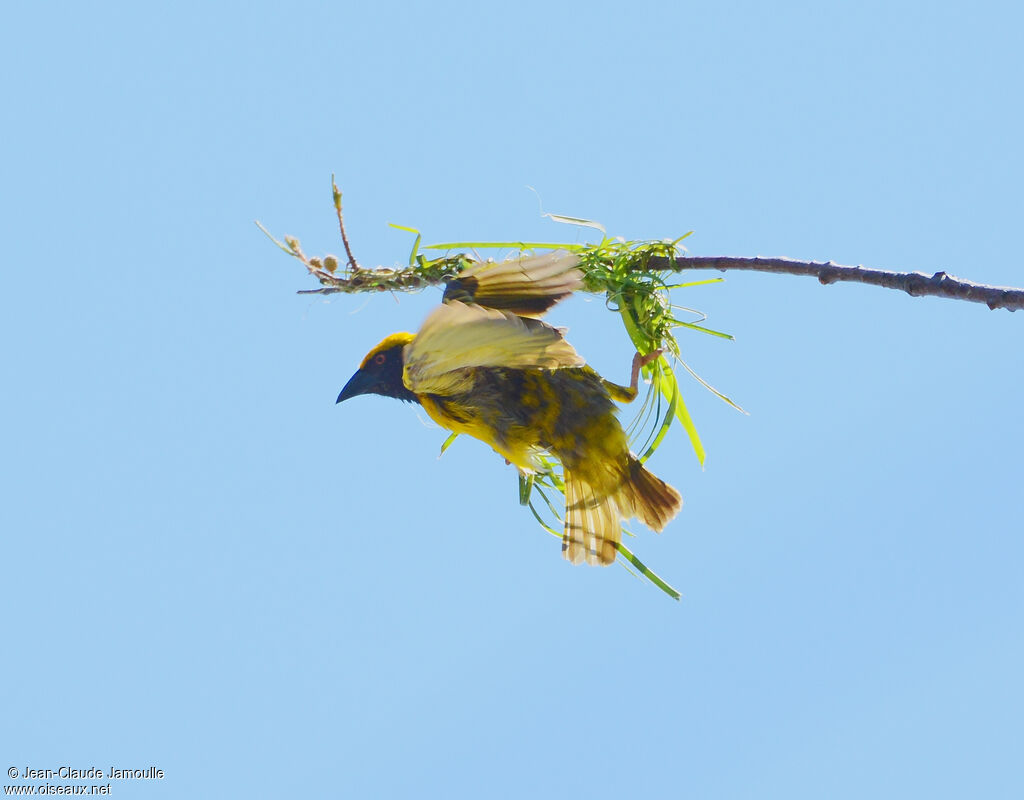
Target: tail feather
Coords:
[(593, 521), (653, 501)]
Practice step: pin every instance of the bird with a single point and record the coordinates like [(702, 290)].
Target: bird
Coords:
[(484, 364)]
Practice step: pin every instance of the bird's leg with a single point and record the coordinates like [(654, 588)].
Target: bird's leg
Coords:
[(639, 362), (626, 394)]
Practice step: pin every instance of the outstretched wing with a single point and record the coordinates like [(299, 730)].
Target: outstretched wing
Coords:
[(458, 337), (527, 286)]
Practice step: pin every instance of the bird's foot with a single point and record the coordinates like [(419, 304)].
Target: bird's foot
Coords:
[(639, 362)]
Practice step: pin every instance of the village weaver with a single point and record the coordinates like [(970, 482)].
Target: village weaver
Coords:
[(482, 364)]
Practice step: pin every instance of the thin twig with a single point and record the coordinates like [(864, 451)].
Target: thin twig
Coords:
[(916, 284), (341, 224), (380, 279)]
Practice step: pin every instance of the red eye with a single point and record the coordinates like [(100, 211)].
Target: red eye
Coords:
[(380, 358)]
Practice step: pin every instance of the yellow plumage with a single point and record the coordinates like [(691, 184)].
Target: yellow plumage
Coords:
[(514, 383)]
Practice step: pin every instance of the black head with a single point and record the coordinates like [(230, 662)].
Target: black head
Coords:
[(381, 371)]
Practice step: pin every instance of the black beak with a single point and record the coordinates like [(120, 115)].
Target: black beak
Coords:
[(360, 383)]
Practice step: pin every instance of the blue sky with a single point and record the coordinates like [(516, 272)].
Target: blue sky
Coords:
[(212, 569)]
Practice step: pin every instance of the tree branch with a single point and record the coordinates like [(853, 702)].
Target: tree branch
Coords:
[(916, 284)]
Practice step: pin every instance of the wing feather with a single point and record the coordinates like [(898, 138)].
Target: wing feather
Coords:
[(527, 286), (458, 337)]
